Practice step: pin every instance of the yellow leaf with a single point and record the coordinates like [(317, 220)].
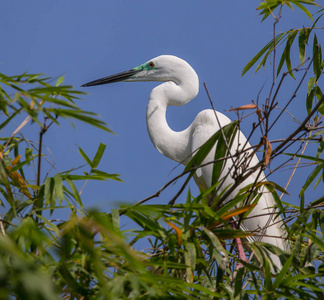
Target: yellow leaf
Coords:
[(232, 213), (269, 150), (259, 115), (243, 107), (16, 160), (176, 229), (15, 177)]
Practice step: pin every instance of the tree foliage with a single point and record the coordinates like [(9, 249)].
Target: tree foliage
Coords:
[(189, 250)]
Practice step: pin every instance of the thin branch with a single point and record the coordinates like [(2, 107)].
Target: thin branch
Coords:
[(296, 166), (301, 127), (219, 124), (2, 227), (294, 94)]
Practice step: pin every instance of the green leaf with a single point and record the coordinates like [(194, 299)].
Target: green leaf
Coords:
[(190, 260), (268, 7), (290, 40), (238, 283), (103, 175), (97, 175), (320, 148), (270, 186), (282, 60), (59, 188), (309, 180), (74, 192), (315, 159), (49, 191), (29, 155), (6, 122), (304, 9), (267, 48), (115, 219), (310, 253), (98, 156), (321, 219), (283, 272), (50, 224), (222, 150), (150, 225), (85, 157), (267, 279), (316, 202), (310, 94), (217, 244), (263, 61), (204, 150), (302, 41), (59, 80), (230, 205), (317, 58), (231, 233), (82, 116)]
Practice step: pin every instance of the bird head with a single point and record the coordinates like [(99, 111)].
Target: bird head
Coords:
[(161, 68)]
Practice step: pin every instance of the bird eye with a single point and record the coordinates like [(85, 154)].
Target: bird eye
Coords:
[(151, 64)]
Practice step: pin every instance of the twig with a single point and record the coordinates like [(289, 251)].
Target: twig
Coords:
[(301, 127), (296, 165), (40, 144), (219, 124), (23, 123), (293, 96), (277, 18), (2, 227)]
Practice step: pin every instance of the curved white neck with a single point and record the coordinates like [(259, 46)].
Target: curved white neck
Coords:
[(175, 145)]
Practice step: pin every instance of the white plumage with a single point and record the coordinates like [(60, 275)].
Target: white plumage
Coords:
[(181, 85)]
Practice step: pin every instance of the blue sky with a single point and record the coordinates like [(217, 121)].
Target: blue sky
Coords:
[(86, 40)]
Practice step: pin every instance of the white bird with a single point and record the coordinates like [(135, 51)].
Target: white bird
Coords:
[(181, 85)]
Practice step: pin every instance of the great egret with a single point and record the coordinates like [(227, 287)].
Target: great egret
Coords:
[(180, 86)]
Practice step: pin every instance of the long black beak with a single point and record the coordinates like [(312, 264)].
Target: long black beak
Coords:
[(113, 78)]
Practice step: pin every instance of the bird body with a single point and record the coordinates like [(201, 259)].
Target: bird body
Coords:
[(180, 85)]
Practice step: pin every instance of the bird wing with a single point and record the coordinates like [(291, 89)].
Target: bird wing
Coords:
[(261, 219), (203, 127)]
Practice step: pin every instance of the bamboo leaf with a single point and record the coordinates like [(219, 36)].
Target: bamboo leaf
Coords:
[(229, 205), (6, 122), (49, 191), (82, 116), (283, 272), (309, 180), (85, 157), (267, 48), (317, 58), (305, 10), (190, 260), (59, 188), (177, 231), (282, 60), (222, 150), (229, 214), (310, 94), (320, 148), (290, 40), (59, 80), (302, 41), (272, 189), (115, 219), (204, 150), (74, 191), (98, 156), (231, 233)]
